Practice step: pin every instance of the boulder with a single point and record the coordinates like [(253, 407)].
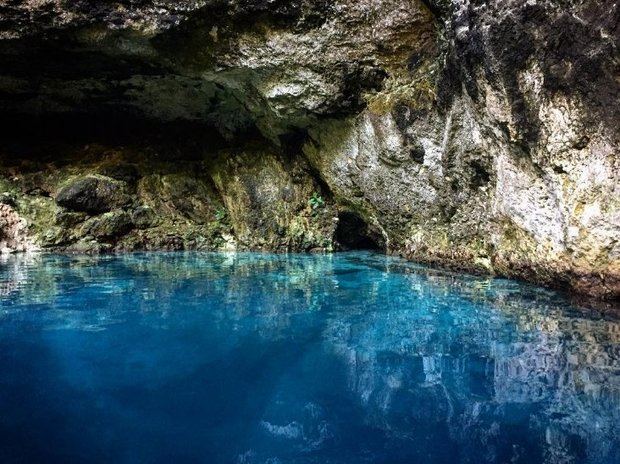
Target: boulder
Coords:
[(93, 194)]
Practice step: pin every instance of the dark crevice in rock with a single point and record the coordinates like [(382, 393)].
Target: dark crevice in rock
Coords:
[(417, 153), (292, 144), (292, 141), (62, 57), (480, 176), (354, 233)]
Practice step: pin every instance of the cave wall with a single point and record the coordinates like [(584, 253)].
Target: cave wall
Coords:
[(482, 136)]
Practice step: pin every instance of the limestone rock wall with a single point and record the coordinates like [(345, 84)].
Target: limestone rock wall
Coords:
[(100, 198), (477, 135), (514, 169)]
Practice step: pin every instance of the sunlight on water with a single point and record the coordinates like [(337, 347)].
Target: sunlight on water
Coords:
[(253, 358)]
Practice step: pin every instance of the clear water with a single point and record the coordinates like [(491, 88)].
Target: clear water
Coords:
[(249, 358)]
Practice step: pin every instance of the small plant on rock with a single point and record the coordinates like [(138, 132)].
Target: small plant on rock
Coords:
[(220, 215), (316, 202)]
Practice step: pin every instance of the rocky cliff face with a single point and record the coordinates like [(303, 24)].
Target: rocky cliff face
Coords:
[(477, 135)]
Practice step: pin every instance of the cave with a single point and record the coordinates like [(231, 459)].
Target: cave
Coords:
[(354, 233), (256, 231), (138, 125)]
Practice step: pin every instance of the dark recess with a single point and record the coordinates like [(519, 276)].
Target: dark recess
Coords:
[(354, 233), (44, 138)]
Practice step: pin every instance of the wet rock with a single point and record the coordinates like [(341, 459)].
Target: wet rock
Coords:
[(92, 194), (180, 195), (88, 246), (270, 206), (68, 219), (165, 242)]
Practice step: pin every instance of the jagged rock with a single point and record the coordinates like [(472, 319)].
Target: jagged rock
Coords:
[(92, 194), (236, 64), (186, 196), (68, 219), (8, 198), (477, 135), (88, 246), (268, 201)]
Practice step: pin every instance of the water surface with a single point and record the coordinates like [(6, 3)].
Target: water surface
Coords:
[(250, 358)]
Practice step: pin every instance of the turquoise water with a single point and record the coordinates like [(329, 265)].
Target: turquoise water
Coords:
[(250, 358)]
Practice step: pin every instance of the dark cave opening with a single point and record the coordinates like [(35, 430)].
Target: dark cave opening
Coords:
[(354, 233)]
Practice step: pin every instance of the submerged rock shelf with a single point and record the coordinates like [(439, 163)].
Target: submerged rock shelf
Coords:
[(480, 136)]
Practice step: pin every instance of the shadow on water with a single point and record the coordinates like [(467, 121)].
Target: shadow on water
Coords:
[(257, 358)]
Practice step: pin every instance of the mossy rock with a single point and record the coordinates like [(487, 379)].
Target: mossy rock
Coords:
[(109, 225), (144, 217), (93, 194)]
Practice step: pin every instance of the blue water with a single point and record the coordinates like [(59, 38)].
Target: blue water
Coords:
[(250, 358)]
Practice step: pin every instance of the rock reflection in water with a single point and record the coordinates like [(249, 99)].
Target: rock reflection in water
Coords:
[(353, 357)]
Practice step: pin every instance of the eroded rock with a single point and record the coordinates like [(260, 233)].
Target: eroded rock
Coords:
[(477, 135)]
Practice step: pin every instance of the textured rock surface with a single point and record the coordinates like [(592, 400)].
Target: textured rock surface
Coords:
[(13, 231), (92, 194), (477, 135)]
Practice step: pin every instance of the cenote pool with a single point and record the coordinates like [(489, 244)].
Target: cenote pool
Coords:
[(258, 358)]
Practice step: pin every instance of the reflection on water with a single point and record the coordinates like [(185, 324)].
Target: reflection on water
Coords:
[(250, 358)]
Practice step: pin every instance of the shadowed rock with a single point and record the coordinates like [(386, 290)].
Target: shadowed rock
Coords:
[(92, 194)]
